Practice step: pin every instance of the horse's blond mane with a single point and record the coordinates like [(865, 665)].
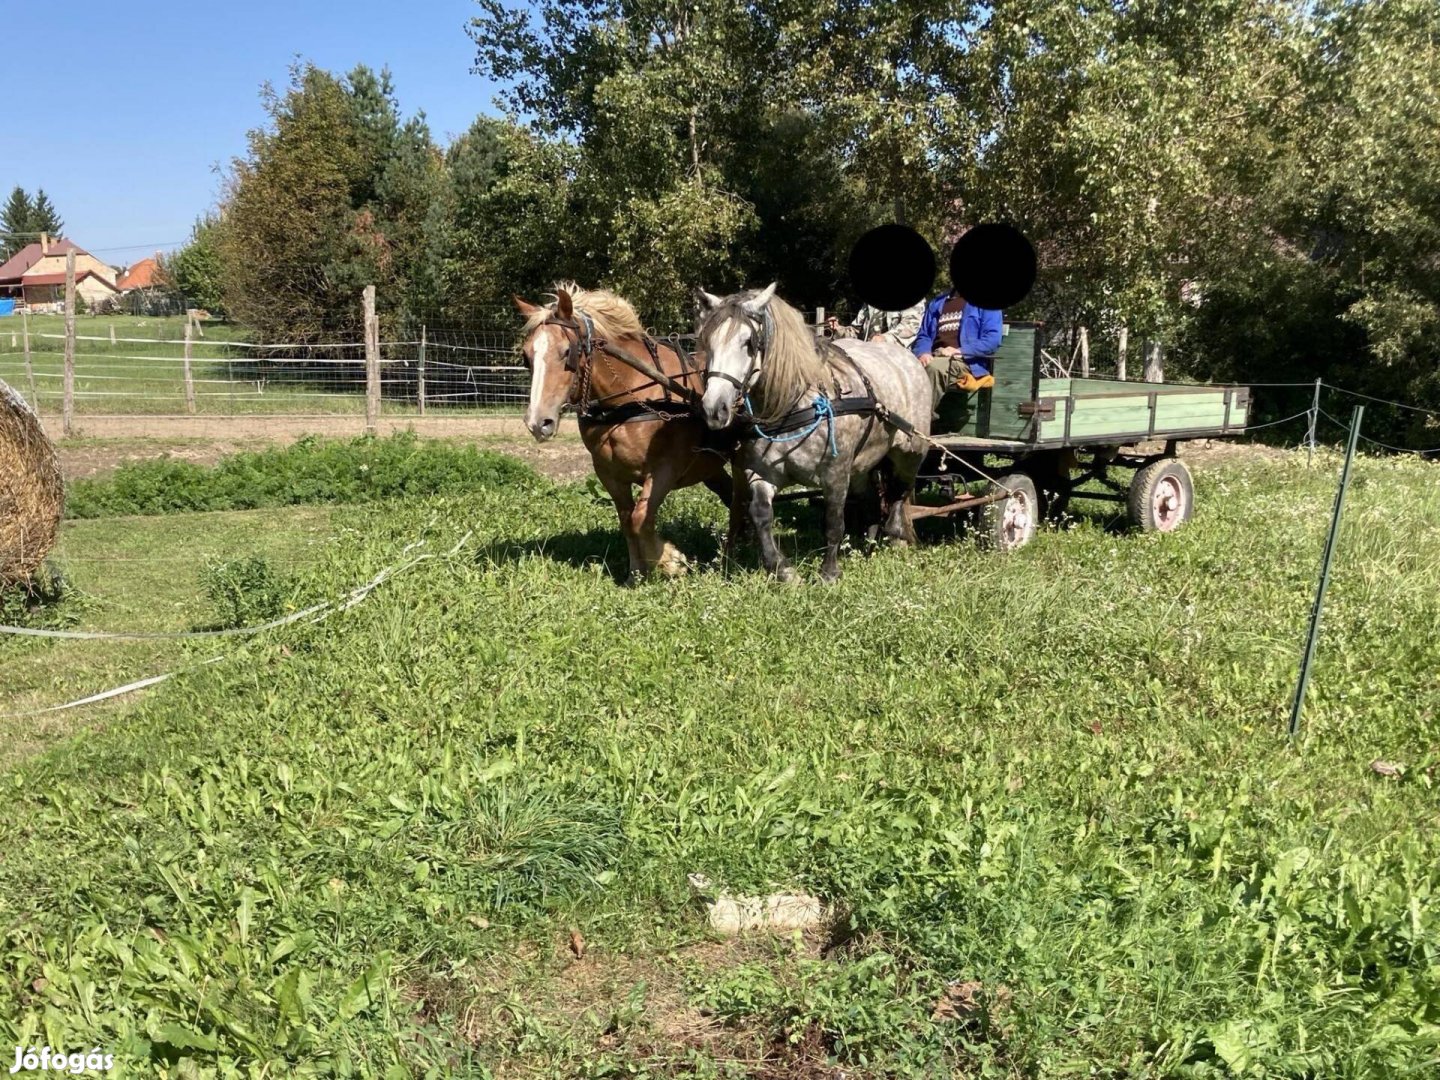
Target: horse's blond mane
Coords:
[(612, 315), (793, 365)]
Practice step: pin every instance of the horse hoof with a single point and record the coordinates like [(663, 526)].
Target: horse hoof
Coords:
[(674, 564), (786, 575), (829, 577)]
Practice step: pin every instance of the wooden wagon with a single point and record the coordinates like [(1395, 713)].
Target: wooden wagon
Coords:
[(1050, 436)]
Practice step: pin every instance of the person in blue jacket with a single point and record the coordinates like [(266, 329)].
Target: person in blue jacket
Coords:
[(957, 344)]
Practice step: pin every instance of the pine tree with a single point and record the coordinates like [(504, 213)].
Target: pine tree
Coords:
[(15, 223), (44, 217)]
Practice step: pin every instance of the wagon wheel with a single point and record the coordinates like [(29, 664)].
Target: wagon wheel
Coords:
[(1009, 523), (1162, 496)]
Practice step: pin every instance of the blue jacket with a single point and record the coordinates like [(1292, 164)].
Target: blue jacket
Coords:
[(980, 331)]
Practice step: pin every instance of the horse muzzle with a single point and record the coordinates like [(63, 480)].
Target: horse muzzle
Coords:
[(718, 406), (543, 427)]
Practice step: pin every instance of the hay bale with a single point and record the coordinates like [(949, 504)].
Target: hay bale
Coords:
[(32, 490)]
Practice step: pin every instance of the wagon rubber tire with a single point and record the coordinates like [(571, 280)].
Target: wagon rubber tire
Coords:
[(1162, 496), (1010, 523)]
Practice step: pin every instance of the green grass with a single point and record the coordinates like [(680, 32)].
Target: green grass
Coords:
[(356, 848), (141, 574)]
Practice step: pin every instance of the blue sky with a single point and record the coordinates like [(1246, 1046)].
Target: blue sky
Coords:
[(143, 100)]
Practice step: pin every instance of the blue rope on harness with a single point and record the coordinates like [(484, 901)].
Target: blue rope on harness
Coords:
[(823, 411)]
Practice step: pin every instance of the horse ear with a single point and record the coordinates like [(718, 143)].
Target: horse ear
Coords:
[(756, 303), (523, 306), (707, 301), (564, 307)]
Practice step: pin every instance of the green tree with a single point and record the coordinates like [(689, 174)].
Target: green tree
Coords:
[(1370, 181), (15, 220), (681, 120), (501, 222), (332, 196), (195, 269), (43, 216)]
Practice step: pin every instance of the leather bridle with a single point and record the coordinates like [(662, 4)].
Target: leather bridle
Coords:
[(761, 331), (580, 353)]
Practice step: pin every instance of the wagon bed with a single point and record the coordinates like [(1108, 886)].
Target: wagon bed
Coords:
[(1050, 436)]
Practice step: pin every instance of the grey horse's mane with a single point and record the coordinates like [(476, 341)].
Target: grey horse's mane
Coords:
[(793, 365)]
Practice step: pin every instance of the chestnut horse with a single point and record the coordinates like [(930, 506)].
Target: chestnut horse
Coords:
[(639, 433)]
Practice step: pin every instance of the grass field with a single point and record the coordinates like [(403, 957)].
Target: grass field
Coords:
[(141, 377), (1049, 794)]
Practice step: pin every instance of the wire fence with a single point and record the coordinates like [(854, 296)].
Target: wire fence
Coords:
[(159, 370), (178, 366)]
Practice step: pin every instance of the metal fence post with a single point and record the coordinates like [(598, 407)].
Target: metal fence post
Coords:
[(1314, 419), (1329, 555), (67, 408)]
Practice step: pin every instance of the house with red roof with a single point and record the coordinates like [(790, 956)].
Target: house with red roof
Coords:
[(145, 274), (35, 275)]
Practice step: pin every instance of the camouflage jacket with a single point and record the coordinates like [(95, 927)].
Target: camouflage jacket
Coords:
[(900, 326)]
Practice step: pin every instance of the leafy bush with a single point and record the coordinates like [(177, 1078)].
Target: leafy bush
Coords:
[(245, 592), (309, 471), (47, 601)]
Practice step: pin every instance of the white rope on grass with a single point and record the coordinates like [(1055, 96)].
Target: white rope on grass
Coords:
[(124, 635), (355, 596), (105, 695), (139, 635)]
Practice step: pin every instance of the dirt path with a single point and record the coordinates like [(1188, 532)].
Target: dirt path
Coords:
[(103, 443)]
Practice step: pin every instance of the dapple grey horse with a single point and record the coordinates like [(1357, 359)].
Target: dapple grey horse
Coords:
[(811, 421)]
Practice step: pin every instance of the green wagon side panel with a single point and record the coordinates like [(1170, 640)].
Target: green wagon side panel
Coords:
[(1105, 409), (995, 414), (1085, 410)]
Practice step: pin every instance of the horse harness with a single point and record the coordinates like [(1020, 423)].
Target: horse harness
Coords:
[(580, 361), (824, 409)]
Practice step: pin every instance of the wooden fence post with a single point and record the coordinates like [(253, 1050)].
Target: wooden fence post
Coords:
[(29, 367), (189, 379), (1084, 352), (420, 389), (372, 362), (1120, 356), (67, 409)]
